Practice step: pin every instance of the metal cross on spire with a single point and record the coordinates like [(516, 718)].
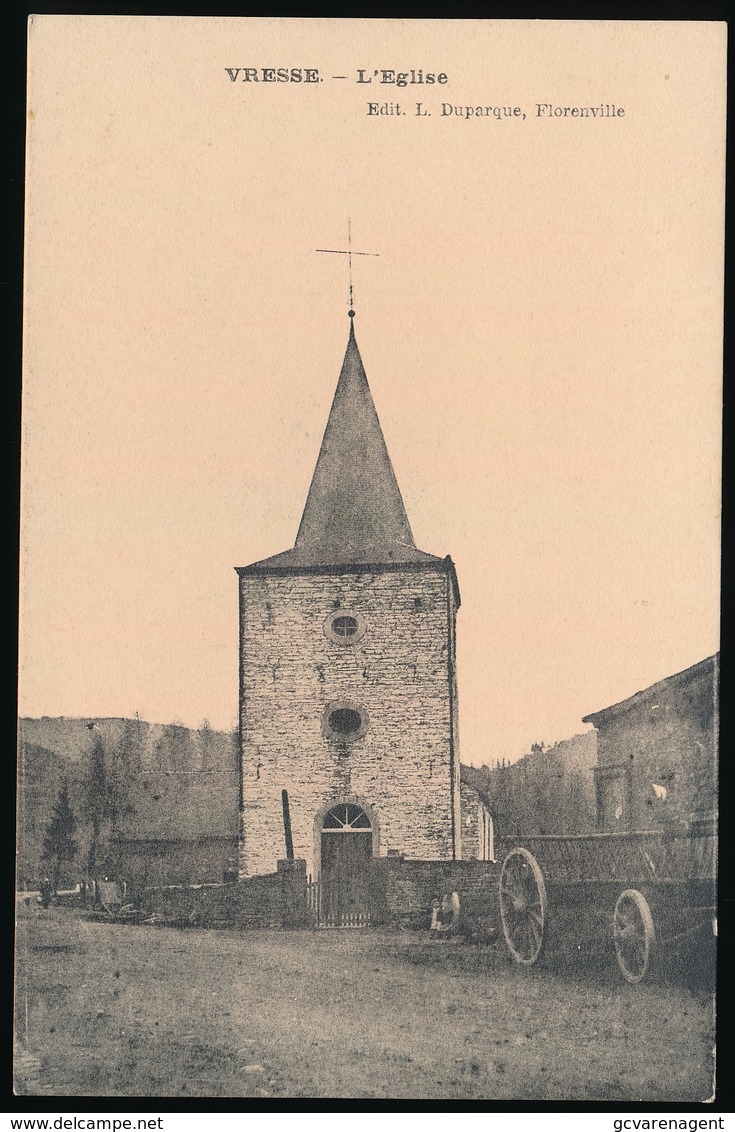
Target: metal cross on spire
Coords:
[(349, 253)]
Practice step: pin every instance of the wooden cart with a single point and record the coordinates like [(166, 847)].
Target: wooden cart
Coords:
[(647, 891)]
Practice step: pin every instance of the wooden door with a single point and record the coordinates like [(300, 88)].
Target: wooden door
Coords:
[(346, 850)]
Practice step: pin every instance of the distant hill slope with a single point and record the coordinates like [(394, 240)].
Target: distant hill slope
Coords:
[(549, 790), (157, 746), (70, 738), (174, 782)]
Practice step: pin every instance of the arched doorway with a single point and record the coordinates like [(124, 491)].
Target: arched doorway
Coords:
[(346, 843)]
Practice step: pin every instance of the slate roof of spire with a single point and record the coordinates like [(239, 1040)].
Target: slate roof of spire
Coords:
[(354, 512)]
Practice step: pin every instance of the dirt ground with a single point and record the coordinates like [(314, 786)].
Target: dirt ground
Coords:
[(121, 1010)]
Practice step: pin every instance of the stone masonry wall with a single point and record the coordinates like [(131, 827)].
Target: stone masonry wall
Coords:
[(671, 742), (276, 900), (405, 769), (409, 887), (252, 903)]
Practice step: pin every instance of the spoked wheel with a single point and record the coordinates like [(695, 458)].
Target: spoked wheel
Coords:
[(634, 934), (523, 906)]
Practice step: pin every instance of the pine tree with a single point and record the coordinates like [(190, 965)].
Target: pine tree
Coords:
[(206, 739), (104, 798), (58, 842), (96, 791)]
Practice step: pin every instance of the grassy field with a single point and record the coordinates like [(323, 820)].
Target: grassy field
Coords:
[(137, 1011)]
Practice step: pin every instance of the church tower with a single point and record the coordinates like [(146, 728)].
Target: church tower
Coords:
[(348, 693)]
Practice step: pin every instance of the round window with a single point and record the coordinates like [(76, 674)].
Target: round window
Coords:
[(345, 720), (344, 627)]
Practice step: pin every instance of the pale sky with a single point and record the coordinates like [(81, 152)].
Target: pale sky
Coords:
[(541, 334)]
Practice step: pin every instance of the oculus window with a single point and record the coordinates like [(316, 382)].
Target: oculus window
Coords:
[(344, 627), (345, 721)]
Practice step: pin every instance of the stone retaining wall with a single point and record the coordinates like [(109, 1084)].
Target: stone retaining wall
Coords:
[(271, 901), (408, 888), (402, 893)]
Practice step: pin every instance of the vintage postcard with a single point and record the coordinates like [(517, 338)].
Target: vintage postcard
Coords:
[(370, 559)]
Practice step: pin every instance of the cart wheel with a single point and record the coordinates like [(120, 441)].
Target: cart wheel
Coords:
[(523, 906), (634, 934)]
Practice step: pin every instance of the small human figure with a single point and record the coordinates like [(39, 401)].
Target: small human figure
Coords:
[(46, 889), (436, 905), (447, 916), (229, 873)]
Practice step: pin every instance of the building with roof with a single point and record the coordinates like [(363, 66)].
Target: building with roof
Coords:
[(348, 689), (657, 754), (178, 827)]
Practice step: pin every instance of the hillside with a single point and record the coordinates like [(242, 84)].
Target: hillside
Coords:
[(156, 746), (172, 782), (549, 790)]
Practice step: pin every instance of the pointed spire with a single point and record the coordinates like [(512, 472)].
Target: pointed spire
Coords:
[(354, 503), (354, 514)]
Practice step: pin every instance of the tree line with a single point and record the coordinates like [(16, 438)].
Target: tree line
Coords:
[(78, 834)]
